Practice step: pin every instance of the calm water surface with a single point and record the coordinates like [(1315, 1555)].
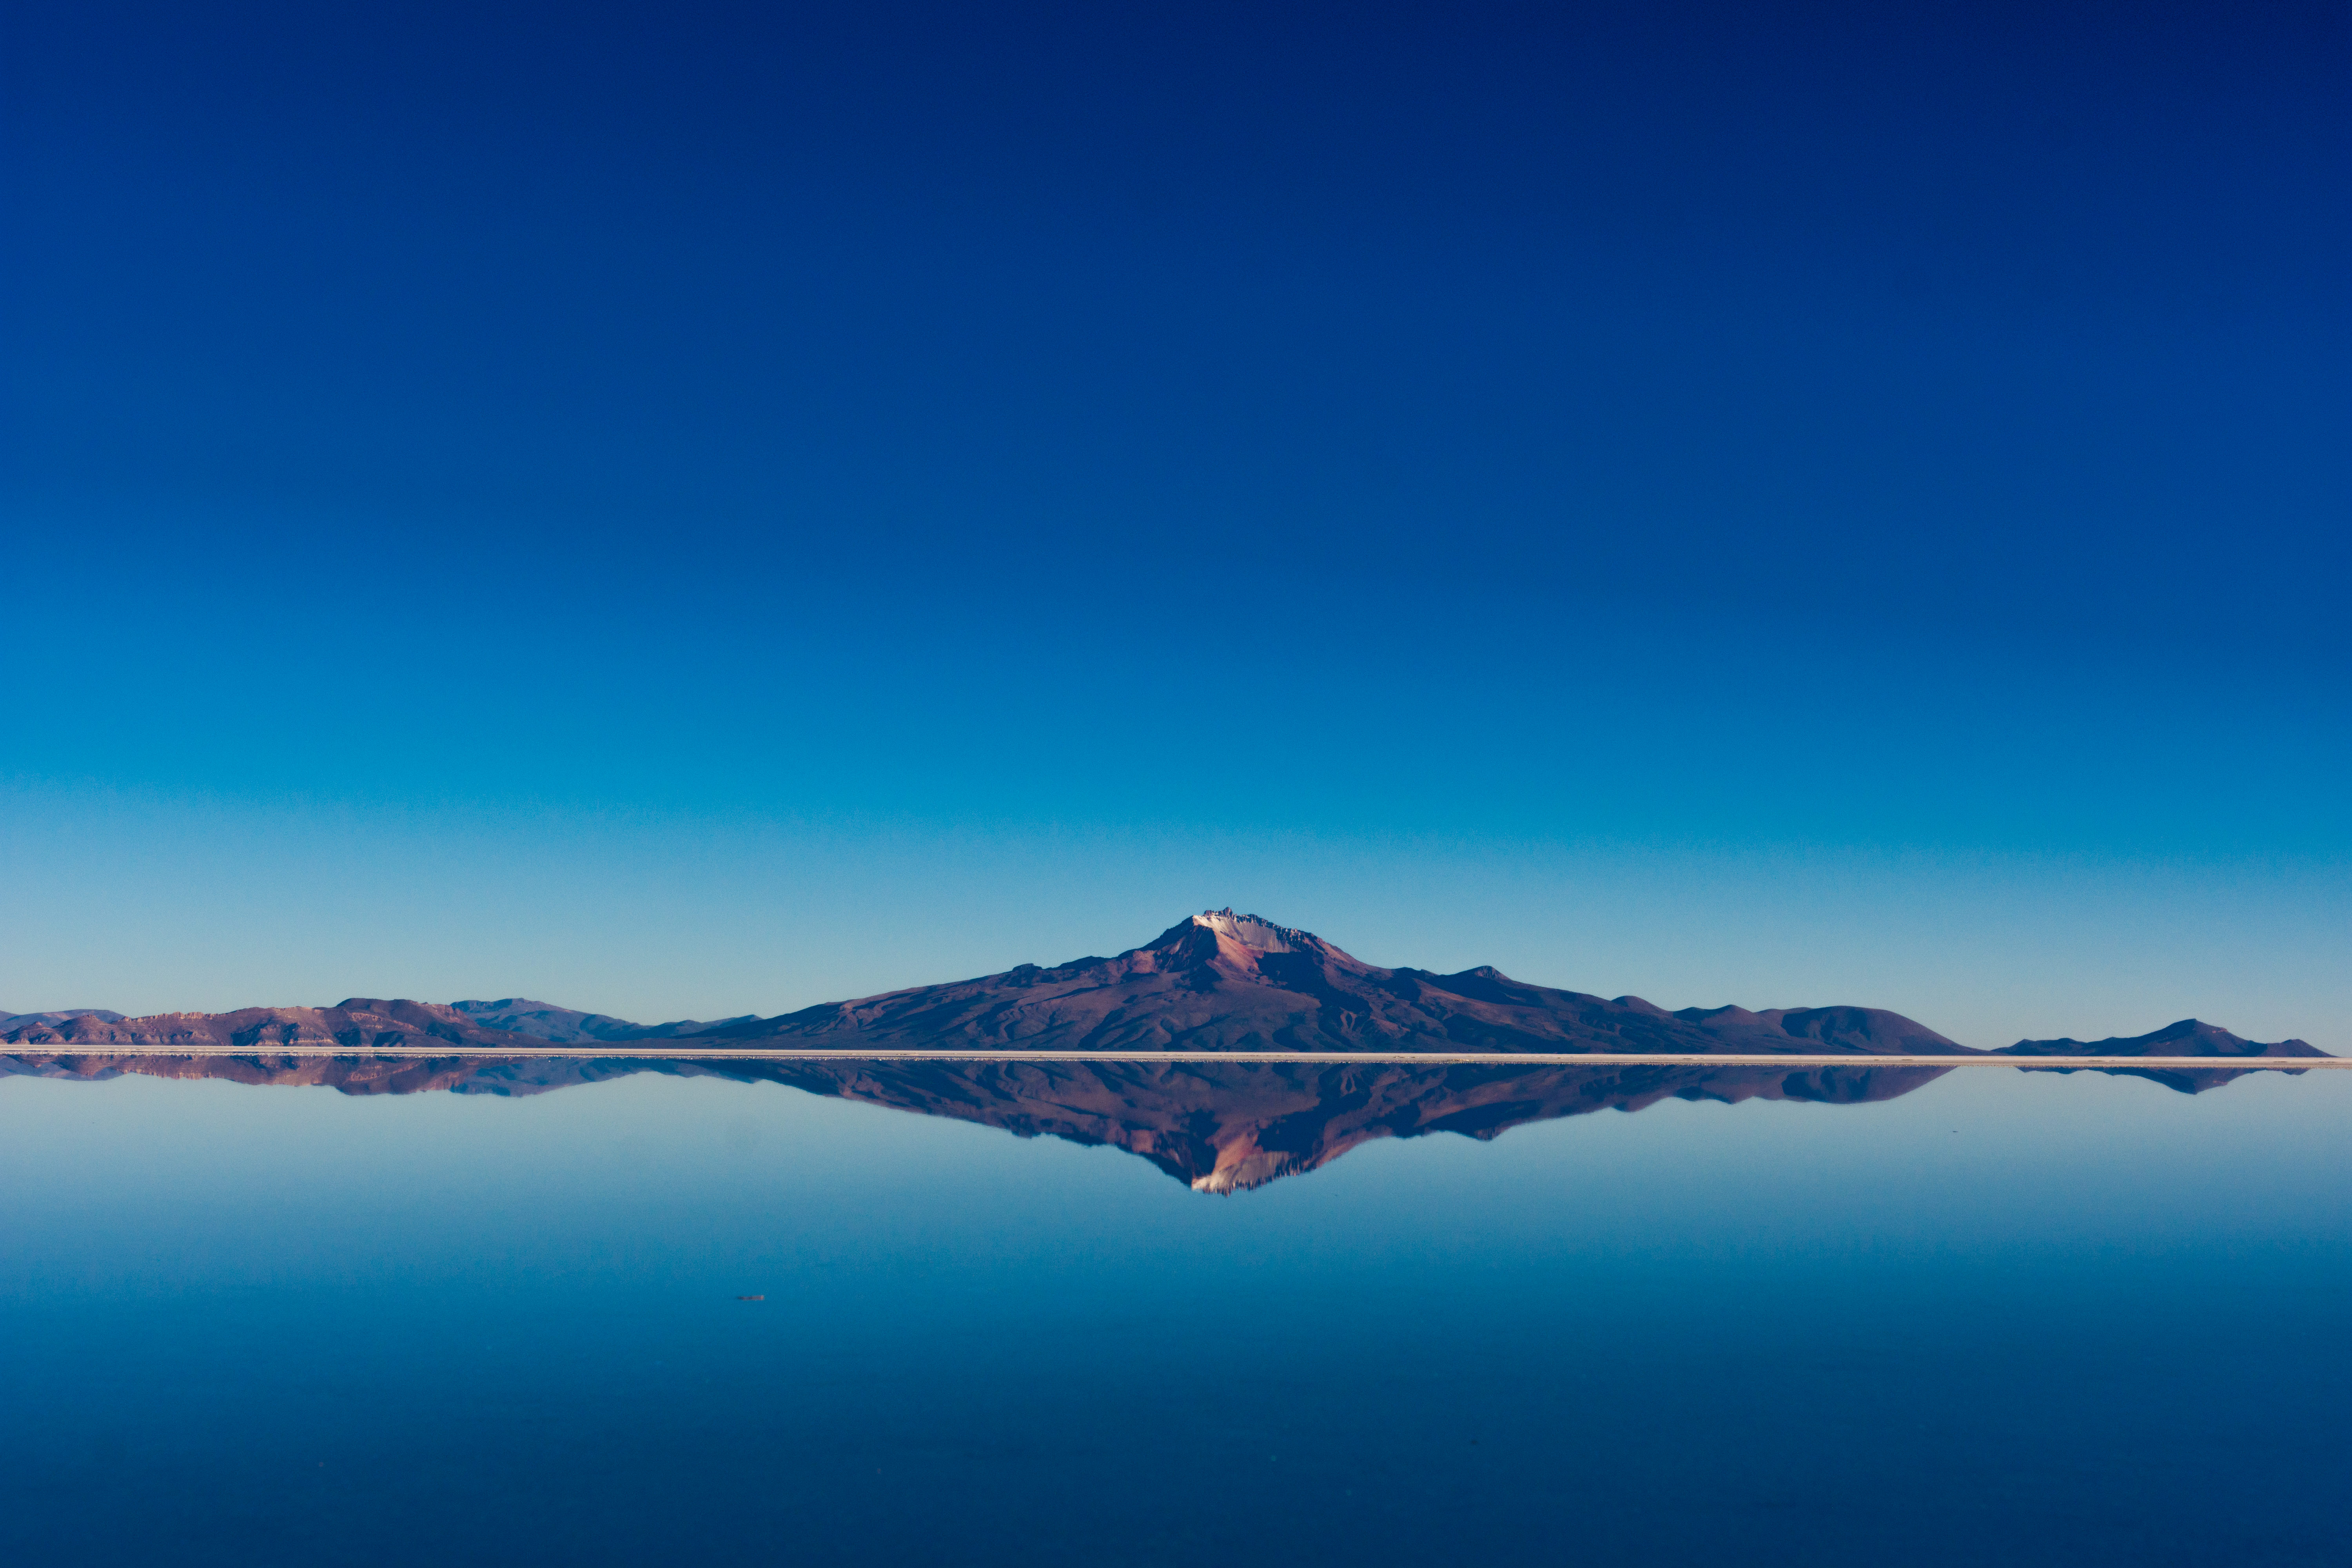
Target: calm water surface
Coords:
[(2005, 1317)]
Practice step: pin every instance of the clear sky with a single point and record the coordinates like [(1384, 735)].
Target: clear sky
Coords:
[(694, 510)]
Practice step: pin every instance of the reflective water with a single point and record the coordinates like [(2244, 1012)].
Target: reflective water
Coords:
[(1986, 1316)]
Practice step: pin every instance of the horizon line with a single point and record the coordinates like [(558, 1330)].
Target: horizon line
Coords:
[(1427, 1059)]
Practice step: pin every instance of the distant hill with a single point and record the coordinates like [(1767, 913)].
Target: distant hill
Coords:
[(2188, 1037), (564, 1027), (355, 1024), (14, 1020)]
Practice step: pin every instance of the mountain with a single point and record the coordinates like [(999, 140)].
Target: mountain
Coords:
[(1213, 981), (1217, 1126), (2188, 1037), (1224, 982), (564, 1025)]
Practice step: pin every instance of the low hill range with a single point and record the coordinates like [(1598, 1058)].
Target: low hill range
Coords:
[(25, 1020), (565, 1025), (1214, 982)]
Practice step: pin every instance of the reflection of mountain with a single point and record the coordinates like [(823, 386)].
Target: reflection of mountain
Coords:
[(1225, 1126), (1220, 1126)]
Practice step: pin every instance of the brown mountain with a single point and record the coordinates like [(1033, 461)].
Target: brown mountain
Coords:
[(1219, 1126), (1236, 983)]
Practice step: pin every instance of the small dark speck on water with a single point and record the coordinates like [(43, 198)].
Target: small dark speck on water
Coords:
[(750, 1298)]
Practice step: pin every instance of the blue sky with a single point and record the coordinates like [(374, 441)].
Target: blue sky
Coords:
[(698, 510)]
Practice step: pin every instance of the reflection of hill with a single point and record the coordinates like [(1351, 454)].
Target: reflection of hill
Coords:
[(1219, 1126)]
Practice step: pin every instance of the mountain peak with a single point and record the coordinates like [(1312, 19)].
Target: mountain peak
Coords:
[(1256, 932)]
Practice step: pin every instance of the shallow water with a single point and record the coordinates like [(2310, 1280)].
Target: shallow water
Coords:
[(2004, 1317)]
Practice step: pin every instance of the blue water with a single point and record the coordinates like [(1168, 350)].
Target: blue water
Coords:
[(2007, 1319)]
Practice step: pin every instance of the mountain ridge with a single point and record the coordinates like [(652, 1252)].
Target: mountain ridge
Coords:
[(1214, 981), (1219, 981)]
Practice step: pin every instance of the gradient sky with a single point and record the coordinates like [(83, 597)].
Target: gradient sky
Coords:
[(696, 510)]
